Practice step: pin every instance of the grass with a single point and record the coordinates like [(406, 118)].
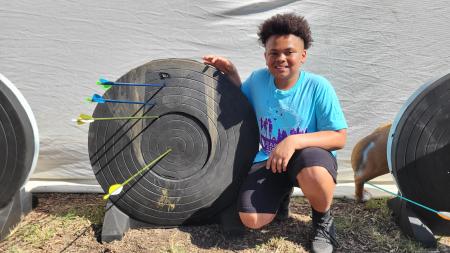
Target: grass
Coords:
[(37, 234), (277, 244), (165, 201), (51, 222), (76, 220), (374, 229), (175, 246)]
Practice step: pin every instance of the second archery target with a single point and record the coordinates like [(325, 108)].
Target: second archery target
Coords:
[(419, 149), (202, 117), (19, 141)]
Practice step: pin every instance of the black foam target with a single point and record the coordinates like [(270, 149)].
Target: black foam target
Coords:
[(419, 149), (18, 150), (203, 118)]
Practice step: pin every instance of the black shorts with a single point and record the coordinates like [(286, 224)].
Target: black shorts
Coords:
[(263, 190)]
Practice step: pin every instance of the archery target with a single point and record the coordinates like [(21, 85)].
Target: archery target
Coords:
[(19, 140), (203, 118), (419, 147)]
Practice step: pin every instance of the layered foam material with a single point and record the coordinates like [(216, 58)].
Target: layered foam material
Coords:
[(419, 148), (19, 141), (203, 118)]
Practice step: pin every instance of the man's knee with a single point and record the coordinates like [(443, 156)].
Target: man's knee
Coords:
[(314, 175), (256, 220)]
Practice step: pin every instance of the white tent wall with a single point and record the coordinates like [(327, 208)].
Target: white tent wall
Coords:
[(375, 53)]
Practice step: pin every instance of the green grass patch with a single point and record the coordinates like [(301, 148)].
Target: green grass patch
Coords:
[(379, 206), (38, 234), (94, 214), (371, 227), (277, 244), (343, 223), (62, 218), (15, 249)]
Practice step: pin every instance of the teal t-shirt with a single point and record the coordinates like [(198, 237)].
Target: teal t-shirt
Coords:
[(311, 105)]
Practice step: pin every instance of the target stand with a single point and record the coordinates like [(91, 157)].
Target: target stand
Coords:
[(19, 145), (205, 120), (419, 159), (116, 223), (12, 212)]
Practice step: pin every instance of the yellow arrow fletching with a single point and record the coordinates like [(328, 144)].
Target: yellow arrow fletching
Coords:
[(85, 117), (80, 122), (113, 190), (117, 188)]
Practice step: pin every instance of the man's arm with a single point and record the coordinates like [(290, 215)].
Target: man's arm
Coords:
[(224, 65), (282, 153), (329, 140)]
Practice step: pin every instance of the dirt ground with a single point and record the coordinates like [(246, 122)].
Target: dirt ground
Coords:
[(73, 223)]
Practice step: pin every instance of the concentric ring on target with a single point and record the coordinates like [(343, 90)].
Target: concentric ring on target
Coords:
[(203, 118), (419, 146), (186, 136), (19, 140)]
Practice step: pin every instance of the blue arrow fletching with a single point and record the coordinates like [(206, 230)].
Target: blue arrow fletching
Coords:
[(104, 81), (106, 84), (97, 98)]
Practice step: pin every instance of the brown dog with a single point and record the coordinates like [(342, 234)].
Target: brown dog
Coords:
[(369, 160)]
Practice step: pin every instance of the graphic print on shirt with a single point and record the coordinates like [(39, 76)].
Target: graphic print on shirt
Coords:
[(278, 125)]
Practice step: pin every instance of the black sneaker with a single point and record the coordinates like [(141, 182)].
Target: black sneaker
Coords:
[(324, 233), (283, 210)]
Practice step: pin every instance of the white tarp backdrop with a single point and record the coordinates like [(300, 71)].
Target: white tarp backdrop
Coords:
[(375, 53)]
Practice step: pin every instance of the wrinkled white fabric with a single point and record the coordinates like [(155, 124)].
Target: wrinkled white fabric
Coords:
[(375, 53)]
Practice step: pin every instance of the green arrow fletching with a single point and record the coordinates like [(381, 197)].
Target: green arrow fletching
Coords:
[(104, 86)]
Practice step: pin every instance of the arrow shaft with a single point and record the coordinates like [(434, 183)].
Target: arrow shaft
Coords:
[(404, 198), (147, 166), (105, 197), (105, 82), (119, 118), (126, 102), (134, 84)]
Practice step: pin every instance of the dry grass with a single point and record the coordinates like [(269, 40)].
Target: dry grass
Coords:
[(73, 222)]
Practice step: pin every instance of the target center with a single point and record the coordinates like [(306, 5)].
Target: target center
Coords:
[(186, 136), (177, 144)]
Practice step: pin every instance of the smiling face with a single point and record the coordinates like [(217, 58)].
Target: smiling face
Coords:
[(284, 55)]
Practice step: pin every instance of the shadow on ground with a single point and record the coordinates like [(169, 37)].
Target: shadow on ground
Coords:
[(273, 236)]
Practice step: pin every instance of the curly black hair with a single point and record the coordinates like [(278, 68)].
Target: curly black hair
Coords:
[(285, 24)]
